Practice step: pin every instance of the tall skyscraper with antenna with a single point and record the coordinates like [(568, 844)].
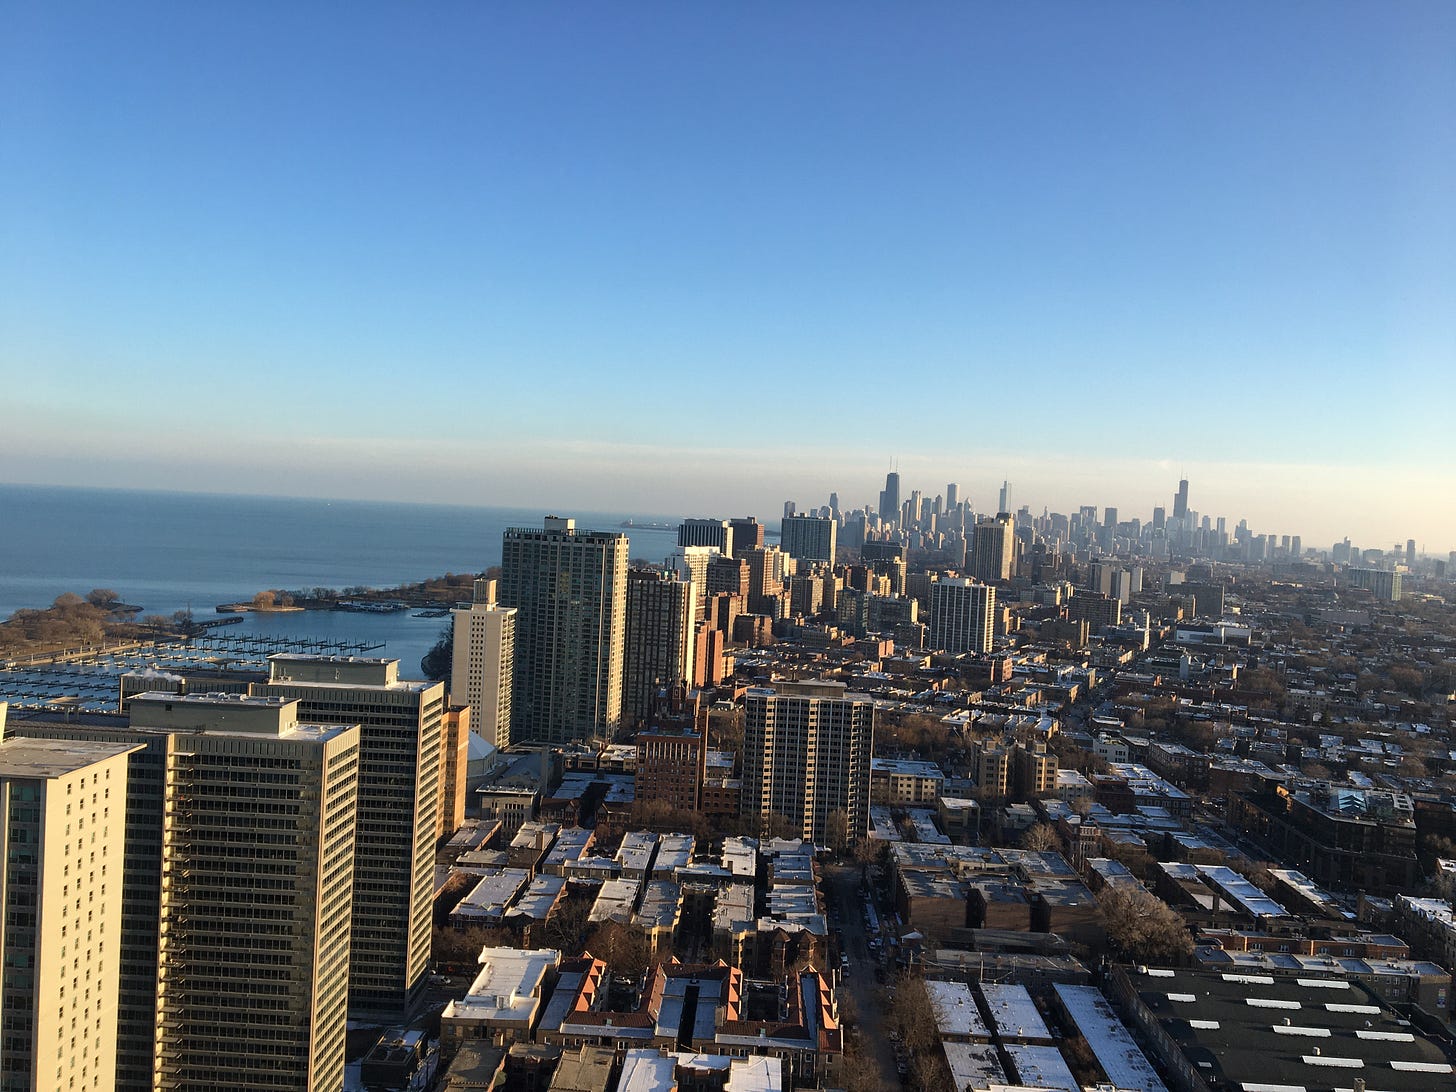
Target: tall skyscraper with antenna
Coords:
[(1180, 501), (890, 498)]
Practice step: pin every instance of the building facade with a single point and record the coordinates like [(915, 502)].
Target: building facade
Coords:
[(258, 817), (64, 844), (806, 759), (398, 801), (482, 668), (962, 615), (658, 652), (809, 538), (993, 553), (569, 588)]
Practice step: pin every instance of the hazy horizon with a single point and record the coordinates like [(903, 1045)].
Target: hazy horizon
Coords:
[(716, 257), (738, 498)]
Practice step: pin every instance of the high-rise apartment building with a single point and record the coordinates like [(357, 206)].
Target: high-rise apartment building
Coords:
[(806, 759), (398, 801), (717, 533), (692, 563), (569, 588), (659, 638), (962, 615), (671, 766), (993, 553), (138, 875), (454, 770), (482, 669), (258, 834), (809, 538), (766, 572), (1382, 583), (63, 845), (747, 535)]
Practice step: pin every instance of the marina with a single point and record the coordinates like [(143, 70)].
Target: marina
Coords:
[(89, 680)]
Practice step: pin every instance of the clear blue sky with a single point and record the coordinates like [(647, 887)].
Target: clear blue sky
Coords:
[(708, 256)]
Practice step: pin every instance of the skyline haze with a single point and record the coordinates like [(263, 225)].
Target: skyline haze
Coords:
[(720, 257)]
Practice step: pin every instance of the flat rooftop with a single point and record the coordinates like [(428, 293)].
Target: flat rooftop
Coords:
[(1117, 1053), (1255, 1031), (45, 759)]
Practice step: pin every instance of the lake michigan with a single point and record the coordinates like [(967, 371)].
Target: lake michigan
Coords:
[(170, 551)]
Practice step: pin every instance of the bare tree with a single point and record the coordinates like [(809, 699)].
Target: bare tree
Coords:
[(1041, 837), (1143, 927)]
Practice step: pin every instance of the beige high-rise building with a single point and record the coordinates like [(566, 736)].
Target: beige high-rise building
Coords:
[(659, 639), (483, 663), (454, 769), (257, 882), (993, 549), (140, 877), (570, 590), (64, 843), (806, 759), (394, 854)]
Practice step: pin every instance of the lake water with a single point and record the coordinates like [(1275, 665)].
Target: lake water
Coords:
[(170, 551)]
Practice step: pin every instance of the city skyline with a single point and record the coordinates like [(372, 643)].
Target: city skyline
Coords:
[(1116, 246)]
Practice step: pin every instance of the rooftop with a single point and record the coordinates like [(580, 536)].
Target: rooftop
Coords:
[(45, 759), (1243, 1030)]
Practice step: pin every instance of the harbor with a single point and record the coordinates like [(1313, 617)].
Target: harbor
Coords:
[(87, 680)]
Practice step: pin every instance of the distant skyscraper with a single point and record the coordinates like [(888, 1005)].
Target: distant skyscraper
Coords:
[(952, 496), (1160, 518), (806, 758), (834, 505), (398, 807), (482, 666), (809, 538), (890, 498), (1005, 497), (993, 549), (717, 533), (65, 825), (1180, 501), (570, 589), (790, 508), (1109, 517), (747, 535), (658, 649), (692, 563), (962, 614), (1410, 551)]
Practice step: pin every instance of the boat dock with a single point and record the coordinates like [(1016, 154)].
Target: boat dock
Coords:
[(88, 679)]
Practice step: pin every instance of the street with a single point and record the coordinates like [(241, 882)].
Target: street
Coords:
[(841, 889)]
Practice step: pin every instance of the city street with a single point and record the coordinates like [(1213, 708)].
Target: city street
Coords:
[(841, 888)]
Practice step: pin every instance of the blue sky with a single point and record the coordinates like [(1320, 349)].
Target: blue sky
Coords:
[(709, 256)]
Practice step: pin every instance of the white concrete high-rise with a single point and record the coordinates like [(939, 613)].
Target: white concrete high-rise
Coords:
[(809, 538), (569, 589), (993, 549), (482, 665), (962, 614), (63, 845)]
